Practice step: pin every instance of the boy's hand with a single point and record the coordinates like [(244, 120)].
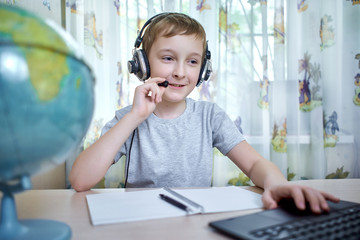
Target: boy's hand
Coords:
[(147, 96), (300, 195)]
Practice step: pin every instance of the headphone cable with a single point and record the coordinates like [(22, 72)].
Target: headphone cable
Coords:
[(128, 162)]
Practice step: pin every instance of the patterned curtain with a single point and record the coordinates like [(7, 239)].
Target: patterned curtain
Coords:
[(287, 72), (314, 102)]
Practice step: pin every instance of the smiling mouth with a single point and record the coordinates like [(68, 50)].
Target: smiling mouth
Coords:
[(176, 85)]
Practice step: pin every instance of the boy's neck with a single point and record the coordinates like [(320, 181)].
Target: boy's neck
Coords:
[(170, 110)]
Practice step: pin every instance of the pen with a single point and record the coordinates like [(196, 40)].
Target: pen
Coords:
[(185, 199), (174, 202)]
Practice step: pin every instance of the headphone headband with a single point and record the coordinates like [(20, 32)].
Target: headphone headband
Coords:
[(139, 37)]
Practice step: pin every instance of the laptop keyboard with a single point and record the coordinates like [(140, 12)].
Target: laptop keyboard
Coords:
[(345, 225)]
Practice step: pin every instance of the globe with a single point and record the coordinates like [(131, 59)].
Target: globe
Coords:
[(46, 106)]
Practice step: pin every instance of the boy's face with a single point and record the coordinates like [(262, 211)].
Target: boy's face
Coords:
[(178, 59)]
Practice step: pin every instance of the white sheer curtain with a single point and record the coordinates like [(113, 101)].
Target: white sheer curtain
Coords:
[(321, 47), (287, 72)]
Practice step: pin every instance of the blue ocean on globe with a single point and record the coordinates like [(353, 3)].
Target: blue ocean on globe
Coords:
[(46, 94)]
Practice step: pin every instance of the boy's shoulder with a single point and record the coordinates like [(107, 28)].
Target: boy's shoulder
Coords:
[(200, 103), (122, 111), (192, 102)]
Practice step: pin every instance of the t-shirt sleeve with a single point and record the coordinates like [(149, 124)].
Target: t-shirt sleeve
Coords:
[(225, 133), (118, 115)]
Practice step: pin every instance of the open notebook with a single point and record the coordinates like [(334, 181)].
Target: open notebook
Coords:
[(115, 207)]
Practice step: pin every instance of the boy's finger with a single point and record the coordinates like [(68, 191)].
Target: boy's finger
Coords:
[(330, 197), (314, 199), (268, 201), (299, 198), (155, 80)]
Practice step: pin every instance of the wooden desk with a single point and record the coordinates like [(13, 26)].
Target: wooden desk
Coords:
[(71, 207)]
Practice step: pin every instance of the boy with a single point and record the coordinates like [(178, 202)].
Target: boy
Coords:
[(167, 137)]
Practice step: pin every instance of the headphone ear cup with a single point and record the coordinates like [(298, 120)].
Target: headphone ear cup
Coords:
[(206, 69), (144, 64), (205, 72), (139, 65), (200, 79)]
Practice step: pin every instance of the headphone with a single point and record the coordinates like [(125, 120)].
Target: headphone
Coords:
[(139, 65)]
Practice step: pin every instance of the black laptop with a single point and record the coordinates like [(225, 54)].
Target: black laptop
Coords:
[(287, 222)]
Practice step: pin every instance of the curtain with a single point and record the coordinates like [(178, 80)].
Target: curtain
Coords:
[(286, 72)]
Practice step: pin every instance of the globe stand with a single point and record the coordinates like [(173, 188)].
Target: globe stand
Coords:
[(12, 228)]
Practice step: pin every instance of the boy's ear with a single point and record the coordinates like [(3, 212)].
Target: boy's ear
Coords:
[(139, 65)]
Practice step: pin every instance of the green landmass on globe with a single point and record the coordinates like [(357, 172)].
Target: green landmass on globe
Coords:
[(46, 94), (44, 79)]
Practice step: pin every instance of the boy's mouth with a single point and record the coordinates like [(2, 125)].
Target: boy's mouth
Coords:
[(176, 85)]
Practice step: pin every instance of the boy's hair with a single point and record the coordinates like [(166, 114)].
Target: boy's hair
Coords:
[(169, 25)]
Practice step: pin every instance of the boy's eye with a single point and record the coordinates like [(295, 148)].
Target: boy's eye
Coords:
[(193, 61), (167, 58)]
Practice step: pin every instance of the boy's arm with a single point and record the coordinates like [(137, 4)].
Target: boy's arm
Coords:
[(92, 164), (268, 176)]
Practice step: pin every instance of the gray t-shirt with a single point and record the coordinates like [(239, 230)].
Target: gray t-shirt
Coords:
[(177, 152)]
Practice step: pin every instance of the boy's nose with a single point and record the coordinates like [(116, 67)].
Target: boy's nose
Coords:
[(179, 71)]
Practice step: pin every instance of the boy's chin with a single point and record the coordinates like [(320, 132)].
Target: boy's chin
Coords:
[(174, 98)]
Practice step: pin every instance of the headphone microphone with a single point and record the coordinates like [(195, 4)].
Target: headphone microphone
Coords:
[(164, 84), (139, 64)]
